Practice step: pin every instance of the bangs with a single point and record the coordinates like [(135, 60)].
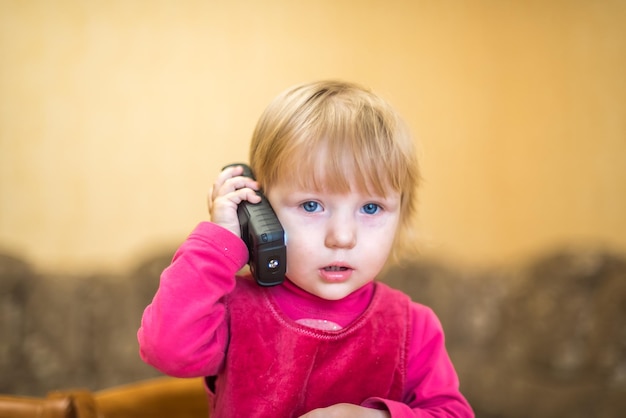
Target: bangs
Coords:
[(343, 144), (337, 163)]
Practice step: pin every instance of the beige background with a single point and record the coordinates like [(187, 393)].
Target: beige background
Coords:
[(115, 116)]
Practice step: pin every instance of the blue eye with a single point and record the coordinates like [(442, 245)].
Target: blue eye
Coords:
[(310, 206), (370, 208)]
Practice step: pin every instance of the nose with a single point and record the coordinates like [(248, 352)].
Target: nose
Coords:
[(341, 232)]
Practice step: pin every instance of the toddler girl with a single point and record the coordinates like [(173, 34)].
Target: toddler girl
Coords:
[(339, 168)]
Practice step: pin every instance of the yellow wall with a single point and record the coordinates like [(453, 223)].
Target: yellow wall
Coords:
[(115, 116)]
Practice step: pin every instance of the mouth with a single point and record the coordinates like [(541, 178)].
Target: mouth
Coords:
[(336, 268), (336, 273)]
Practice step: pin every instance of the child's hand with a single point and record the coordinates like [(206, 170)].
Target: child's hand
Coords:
[(342, 410), (227, 192)]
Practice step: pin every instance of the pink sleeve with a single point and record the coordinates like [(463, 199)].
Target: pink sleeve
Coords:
[(432, 385), (183, 331)]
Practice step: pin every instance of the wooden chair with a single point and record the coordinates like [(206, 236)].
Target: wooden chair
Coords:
[(77, 404), (155, 398)]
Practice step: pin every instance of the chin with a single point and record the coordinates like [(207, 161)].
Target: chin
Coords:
[(333, 294)]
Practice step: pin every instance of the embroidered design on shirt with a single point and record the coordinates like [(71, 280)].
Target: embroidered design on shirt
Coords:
[(321, 324)]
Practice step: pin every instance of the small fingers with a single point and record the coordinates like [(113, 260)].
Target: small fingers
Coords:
[(240, 195), (224, 175), (229, 180), (229, 190), (223, 210)]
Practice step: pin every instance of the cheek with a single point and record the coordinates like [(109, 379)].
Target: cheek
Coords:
[(299, 243), (376, 250), (295, 226), (300, 239), (300, 254), (379, 242)]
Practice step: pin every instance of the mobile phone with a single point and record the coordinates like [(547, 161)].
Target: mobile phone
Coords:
[(264, 236)]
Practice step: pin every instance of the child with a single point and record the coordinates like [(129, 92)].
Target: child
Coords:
[(339, 169)]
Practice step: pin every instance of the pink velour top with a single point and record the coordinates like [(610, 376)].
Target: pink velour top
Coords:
[(184, 331)]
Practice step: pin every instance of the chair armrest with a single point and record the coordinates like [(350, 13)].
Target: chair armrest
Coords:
[(155, 398), (78, 404)]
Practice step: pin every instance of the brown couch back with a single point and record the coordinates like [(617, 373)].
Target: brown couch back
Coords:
[(545, 339)]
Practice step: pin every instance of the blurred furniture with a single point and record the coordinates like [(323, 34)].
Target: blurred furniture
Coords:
[(53, 406), (154, 398), (159, 397), (543, 339)]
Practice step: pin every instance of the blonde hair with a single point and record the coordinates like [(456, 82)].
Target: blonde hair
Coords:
[(327, 135)]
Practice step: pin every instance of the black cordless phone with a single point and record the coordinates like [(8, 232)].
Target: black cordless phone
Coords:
[(264, 236)]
